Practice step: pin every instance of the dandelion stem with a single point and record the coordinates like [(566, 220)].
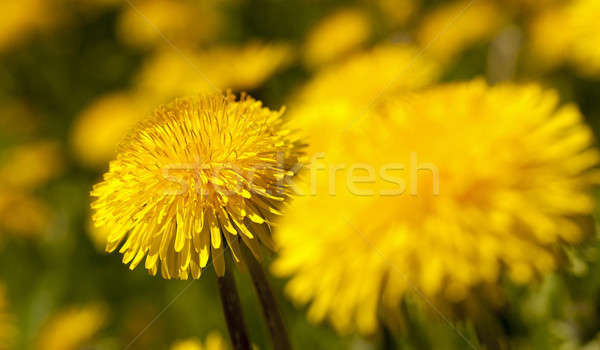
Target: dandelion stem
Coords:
[(233, 311), (271, 311)]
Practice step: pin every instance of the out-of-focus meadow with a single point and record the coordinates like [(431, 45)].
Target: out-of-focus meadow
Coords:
[(77, 75)]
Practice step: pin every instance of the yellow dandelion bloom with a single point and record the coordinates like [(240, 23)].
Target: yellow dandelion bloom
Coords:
[(190, 178), (214, 341), (42, 161), (72, 328), (100, 126), (167, 75), (185, 23), (455, 26), (338, 94), (7, 329), (336, 35), (576, 40), (442, 190)]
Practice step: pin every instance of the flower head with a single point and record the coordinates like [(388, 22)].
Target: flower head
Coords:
[(455, 185), (202, 173)]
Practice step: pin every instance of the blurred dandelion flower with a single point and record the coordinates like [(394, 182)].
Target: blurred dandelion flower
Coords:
[(22, 213), (336, 35), (20, 19), (214, 341), (512, 169), (576, 40), (7, 329), (337, 94), (398, 12), (244, 67), (185, 23), (200, 170), (100, 126), (455, 26), (72, 328), (30, 165)]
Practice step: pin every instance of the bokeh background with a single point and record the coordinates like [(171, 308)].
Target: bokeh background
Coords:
[(76, 75)]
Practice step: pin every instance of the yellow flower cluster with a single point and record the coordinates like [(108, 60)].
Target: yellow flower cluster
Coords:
[(200, 170), (458, 183)]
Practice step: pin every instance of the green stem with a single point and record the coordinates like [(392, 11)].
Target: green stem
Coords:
[(232, 310), (271, 312)]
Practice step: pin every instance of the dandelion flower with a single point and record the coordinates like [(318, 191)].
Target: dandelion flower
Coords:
[(201, 173), (459, 183), (455, 26), (214, 341), (72, 328), (336, 35)]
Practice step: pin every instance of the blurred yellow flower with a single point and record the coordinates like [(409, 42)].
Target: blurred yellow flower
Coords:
[(336, 96), (30, 165), (245, 67), (214, 341), (200, 170), (182, 22), (72, 328), (22, 213), (454, 185), (20, 19), (449, 29), (7, 329), (336, 35), (575, 40), (167, 74), (101, 125), (398, 12), (532, 5)]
